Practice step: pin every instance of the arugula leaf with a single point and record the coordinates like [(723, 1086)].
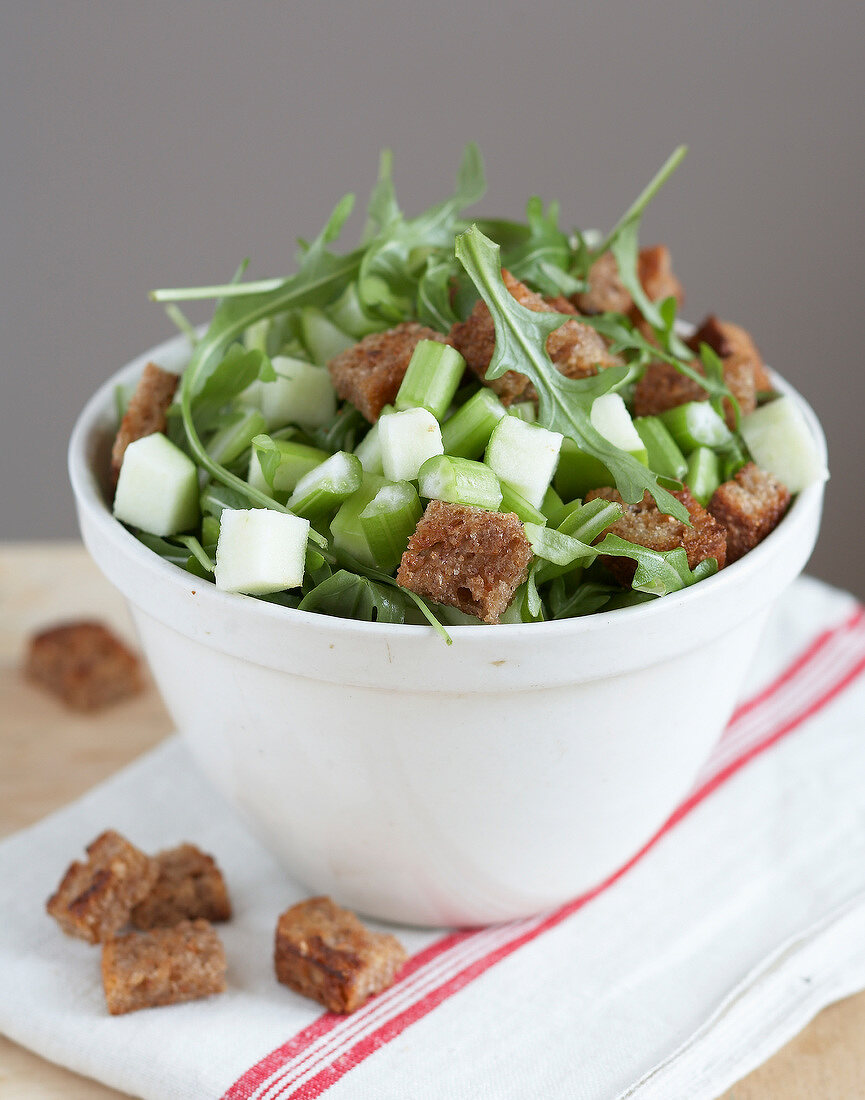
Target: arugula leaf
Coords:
[(543, 260), (394, 259), (556, 547), (348, 596), (635, 210), (433, 306), (565, 403), (658, 572), (584, 600)]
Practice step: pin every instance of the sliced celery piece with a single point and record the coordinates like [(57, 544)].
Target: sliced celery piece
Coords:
[(704, 475), (665, 455), (230, 441), (459, 481), (322, 338), (346, 531), (431, 379), (285, 462), (389, 520), (512, 501), (696, 424), (323, 489), (524, 410), (467, 433)]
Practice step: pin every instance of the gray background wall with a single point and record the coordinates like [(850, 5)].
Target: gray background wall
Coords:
[(156, 144)]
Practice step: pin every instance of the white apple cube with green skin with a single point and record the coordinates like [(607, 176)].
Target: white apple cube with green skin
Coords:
[(157, 489), (525, 456), (611, 419), (780, 442), (260, 551), (301, 394), (407, 440)]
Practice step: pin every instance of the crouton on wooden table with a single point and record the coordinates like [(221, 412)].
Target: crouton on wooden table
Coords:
[(162, 967), (83, 664), (576, 349), (646, 525), (94, 899), (145, 413), (467, 558), (324, 952), (749, 506), (369, 373), (189, 886)]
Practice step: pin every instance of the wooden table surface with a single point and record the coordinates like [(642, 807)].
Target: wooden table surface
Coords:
[(50, 755)]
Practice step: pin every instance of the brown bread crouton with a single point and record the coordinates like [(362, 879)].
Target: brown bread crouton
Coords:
[(606, 293), (369, 374), (467, 558), (145, 413), (83, 664), (645, 525), (162, 967), (324, 952), (576, 349), (189, 886), (663, 387), (656, 275), (732, 342), (749, 507), (94, 899)]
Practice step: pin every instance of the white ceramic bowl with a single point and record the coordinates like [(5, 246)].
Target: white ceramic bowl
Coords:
[(441, 785)]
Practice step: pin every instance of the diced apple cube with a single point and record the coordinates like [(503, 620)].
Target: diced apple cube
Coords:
[(407, 440), (301, 394), (525, 456), (611, 419), (157, 489), (780, 442), (260, 551)]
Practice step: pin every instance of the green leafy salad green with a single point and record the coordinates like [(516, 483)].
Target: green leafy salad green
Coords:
[(289, 493)]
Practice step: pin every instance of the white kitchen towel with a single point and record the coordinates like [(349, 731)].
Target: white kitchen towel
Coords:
[(740, 920)]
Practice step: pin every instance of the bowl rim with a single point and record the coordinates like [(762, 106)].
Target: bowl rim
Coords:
[(89, 498)]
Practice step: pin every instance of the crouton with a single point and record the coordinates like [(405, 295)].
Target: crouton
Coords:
[(162, 967), (145, 413), (732, 342), (369, 374), (749, 507), (663, 387), (324, 952), (83, 664), (646, 525), (467, 558), (576, 349), (94, 899), (656, 275), (606, 293), (189, 886)]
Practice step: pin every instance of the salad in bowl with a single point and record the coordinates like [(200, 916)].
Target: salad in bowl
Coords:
[(493, 422), (495, 433)]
